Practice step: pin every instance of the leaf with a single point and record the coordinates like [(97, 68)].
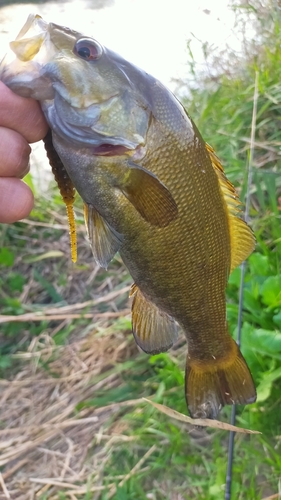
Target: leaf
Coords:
[(16, 281), (277, 319), (265, 342), (5, 361), (29, 181), (235, 277), (6, 257), (259, 264), (264, 388), (202, 422), (250, 302), (268, 340), (271, 291)]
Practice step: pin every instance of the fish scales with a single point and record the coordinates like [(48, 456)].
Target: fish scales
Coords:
[(195, 205), (152, 190)]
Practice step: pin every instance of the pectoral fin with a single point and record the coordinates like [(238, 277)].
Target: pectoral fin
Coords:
[(154, 330), (104, 240), (149, 196)]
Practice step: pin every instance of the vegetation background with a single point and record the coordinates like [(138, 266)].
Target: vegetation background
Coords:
[(72, 421)]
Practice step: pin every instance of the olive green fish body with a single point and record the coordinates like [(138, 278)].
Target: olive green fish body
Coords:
[(153, 190), (189, 245)]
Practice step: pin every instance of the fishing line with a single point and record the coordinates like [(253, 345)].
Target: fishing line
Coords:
[(228, 482)]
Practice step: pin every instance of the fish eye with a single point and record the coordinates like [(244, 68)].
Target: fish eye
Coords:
[(87, 49)]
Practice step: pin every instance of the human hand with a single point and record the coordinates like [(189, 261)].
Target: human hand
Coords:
[(21, 122)]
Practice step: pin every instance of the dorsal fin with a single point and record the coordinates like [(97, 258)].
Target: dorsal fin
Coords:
[(242, 239)]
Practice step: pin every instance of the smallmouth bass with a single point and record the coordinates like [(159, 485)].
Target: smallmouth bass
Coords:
[(152, 190)]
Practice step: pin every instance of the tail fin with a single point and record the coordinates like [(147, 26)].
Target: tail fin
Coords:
[(209, 386)]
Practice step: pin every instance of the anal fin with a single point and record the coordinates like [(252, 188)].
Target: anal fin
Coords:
[(104, 240), (154, 330)]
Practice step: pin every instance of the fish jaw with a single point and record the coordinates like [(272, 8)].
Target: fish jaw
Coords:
[(98, 111), (32, 67), (20, 68)]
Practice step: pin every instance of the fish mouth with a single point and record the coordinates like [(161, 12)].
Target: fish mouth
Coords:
[(119, 150), (110, 150)]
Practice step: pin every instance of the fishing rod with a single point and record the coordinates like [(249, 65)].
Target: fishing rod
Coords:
[(231, 442)]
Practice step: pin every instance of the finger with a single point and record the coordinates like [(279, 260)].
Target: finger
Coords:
[(14, 154), (22, 114), (16, 200)]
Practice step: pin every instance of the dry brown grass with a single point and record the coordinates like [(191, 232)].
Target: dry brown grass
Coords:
[(46, 445)]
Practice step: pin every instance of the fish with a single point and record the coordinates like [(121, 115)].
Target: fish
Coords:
[(153, 190)]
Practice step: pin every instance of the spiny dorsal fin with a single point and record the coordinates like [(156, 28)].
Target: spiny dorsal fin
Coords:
[(104, 240), (66, 188), (241, 236), (154, 330)]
